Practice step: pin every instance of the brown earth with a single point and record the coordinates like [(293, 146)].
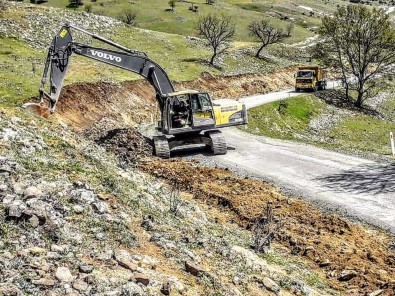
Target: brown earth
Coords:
[(83, 104), (305, 232)]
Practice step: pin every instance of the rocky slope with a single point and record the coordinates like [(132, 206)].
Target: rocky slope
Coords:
[(75, 221)]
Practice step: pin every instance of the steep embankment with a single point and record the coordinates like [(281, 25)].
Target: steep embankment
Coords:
[(128, 103)]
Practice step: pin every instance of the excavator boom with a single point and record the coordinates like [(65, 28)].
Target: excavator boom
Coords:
[(63, 46)]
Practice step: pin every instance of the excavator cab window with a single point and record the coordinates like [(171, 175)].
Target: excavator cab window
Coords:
[(180, 111), (202, 110), (191, 110)]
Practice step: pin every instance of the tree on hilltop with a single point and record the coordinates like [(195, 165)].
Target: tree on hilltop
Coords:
[(218, 31), (266, 34), (359, 42)]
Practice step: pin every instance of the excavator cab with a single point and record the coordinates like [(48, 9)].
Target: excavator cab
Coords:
[(188, 111)]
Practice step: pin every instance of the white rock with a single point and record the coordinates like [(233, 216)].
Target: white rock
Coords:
[(63, 274), (32, 192), (100, 207)]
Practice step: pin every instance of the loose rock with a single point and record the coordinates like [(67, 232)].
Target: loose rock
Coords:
[(347, 275), (15, 210), (165, 290), (376, 293), (141, 278), (80, 285), (48, 282), (193, 268), (270, 285), (325, 263), (32, 192), (63, 274), (86, 268), (100, 207)]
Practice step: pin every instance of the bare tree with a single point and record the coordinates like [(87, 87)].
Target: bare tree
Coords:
[(360, 43), (266, 34), (218, 31), (128, 17)]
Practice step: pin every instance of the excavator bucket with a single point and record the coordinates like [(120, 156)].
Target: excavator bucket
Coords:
[(38, 109)]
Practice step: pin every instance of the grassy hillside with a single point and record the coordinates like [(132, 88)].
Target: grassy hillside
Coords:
[(308, 119), (152, 14), (26, 32)]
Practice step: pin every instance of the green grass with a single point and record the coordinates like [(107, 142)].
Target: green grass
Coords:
[(152, 15), (362, 133), (354, 132), (284, 122), (296, 268), (17, 79)]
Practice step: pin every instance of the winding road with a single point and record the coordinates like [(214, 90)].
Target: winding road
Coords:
[(362, 188)]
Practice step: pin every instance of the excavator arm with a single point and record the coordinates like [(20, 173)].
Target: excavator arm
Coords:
[(63, 46)]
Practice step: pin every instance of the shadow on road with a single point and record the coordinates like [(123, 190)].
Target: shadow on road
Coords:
[(372, 179)]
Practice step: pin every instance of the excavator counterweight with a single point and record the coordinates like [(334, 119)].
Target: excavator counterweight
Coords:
[(187, 117)]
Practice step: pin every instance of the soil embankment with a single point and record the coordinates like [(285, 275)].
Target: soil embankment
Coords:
[(83, 104)]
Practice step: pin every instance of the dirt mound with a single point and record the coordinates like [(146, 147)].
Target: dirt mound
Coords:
[(241, 85), (329, 244), (127, 144), (83, 104)]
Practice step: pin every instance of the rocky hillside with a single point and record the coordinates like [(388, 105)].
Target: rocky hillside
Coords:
[(76, 221)]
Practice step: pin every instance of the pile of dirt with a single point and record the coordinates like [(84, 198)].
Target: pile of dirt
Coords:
[(81, 105), (352, 258), (127, 144)]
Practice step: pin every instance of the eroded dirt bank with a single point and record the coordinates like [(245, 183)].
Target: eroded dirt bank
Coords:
[(128, 103), (352, 258)]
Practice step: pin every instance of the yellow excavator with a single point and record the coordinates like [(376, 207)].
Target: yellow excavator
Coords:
[(187, 117)]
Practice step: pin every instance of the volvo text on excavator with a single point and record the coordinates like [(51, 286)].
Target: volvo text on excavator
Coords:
[(187, 117)]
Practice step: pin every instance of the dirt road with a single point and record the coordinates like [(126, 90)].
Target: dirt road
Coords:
[(363, 188), (254, 101)]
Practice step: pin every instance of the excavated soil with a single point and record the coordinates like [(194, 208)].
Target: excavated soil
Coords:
[(330, 244), (127, 144), (81, 105)]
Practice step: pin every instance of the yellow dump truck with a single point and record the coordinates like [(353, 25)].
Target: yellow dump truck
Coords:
[(310, 78)]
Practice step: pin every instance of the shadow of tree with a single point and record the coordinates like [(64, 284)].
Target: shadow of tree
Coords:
[(338, 99), (372, 179)]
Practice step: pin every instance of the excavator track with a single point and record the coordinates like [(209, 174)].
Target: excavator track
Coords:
[(162, 148), (218, 142)]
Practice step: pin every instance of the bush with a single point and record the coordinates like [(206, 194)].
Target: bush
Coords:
[(128, 17)]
